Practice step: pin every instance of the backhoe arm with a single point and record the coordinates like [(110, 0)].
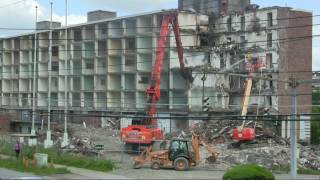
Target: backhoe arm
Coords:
[(196, 141)]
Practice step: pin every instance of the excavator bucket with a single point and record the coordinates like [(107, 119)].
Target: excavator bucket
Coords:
[(144, 156)]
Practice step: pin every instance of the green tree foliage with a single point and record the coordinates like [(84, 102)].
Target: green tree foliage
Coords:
[(248, 172)]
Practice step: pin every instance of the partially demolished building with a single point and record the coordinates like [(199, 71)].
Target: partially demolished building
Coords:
[(109, 62)]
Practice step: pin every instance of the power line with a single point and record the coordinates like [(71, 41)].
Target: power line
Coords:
[(188, 117), (11, 4), (146, 27)]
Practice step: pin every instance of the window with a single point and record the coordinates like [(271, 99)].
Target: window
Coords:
[(270, 20), (229, 24), (269, 60), (243, 23), (269, 39), (144, 80), (222, 63), (131, 44), (129, 63), (103, 82), (77, 35), (55, 51), (104, 31), (89, 65), (242, 41), (55, 67)]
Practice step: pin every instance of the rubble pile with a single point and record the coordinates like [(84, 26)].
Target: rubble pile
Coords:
[(219, 132), (267, 156), (309, 157), (268, 150), (84, 139), (83, 146)]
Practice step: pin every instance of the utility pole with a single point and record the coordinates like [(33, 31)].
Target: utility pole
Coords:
[(65, 140), (32, 140), (293, 138), (48, 142), (294, 83)]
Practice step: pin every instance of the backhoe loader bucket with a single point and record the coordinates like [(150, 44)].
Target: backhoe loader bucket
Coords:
[(144, 156)]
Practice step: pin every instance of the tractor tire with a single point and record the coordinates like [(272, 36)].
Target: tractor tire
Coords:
[(155, 165), (137, 165), (181, 164)]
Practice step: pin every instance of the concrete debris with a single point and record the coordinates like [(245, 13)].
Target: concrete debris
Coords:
[(82, 146), (269, 150)]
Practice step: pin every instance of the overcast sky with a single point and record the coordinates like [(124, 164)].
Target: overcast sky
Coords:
[(21, 13)]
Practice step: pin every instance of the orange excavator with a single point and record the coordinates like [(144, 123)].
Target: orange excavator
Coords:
[(145, 131), (180, 154), (242, 134)]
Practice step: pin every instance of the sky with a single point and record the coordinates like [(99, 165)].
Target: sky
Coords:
[(21, 13)]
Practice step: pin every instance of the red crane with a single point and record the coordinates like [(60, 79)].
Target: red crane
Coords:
[(147, 131)]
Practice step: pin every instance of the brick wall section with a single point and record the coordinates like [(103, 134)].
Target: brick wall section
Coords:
[(295, 57), (4, 124)]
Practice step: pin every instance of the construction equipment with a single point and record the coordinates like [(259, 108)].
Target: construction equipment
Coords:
[(241, 133), (180, 154), (145, 131)]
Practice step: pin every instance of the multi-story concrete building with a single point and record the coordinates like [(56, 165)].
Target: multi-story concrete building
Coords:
[(109, 64), (110, 60)]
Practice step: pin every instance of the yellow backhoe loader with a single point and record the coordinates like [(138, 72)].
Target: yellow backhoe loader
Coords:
[(180, 154)]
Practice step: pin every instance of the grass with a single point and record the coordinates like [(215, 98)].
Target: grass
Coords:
[(248, 172), (17, 165), (58, 157), (286, 169)]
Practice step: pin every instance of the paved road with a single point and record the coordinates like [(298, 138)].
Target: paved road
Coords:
[(9, 174)]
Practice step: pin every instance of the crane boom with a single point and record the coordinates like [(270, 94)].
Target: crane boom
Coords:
[(146, 130), (153, 90)]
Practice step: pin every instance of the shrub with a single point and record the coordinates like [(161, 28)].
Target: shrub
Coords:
[(248, 172)]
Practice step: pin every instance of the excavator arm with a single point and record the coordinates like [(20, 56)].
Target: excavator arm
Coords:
[(153, 90)]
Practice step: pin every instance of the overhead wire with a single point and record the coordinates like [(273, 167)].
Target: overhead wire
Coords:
[(11, 4), (149, 27)]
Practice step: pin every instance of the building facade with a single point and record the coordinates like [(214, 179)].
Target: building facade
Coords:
[(110, 58)]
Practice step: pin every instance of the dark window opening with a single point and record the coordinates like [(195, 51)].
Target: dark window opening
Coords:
[(103, 82), (131, 44), (243, 23), (144, 80), (55, 51), (89, 65), (55, 67), (222, 62), (77, 35), (269, 40), (229, 24), (270, 20), (269, 60), (129, 62), (242, 41)]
